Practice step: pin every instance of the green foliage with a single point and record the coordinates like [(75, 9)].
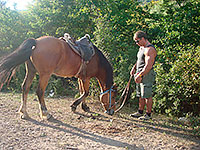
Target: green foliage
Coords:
[(178, 90), (175, 22), (195, 124), (114, 32), (58, 86), (13, 29), (56, 17), (175, 26)]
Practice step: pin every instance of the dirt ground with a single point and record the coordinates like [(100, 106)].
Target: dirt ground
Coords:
[(86, 131)]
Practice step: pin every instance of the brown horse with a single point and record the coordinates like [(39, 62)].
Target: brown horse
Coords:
[(48, 55)]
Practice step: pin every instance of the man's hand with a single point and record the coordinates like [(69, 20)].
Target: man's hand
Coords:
[(138, 78), (132, 71)]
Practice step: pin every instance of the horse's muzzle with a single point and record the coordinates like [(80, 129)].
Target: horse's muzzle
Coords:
[(110, 112)]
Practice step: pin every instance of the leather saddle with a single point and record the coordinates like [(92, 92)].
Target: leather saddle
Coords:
[(83, 46)]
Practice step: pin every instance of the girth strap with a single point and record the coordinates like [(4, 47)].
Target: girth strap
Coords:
[(82, 69)]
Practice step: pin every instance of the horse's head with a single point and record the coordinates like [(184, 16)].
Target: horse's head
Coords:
[(107, 99)]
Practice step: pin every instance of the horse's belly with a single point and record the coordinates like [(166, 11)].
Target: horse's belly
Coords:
[(67, 70), (64, 74)]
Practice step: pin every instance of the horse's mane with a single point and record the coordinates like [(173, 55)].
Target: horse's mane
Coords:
[(104, 63)]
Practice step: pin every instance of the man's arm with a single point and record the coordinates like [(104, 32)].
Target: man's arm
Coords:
[(150, 55)]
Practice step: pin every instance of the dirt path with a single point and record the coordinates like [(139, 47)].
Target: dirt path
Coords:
[(85, 131)]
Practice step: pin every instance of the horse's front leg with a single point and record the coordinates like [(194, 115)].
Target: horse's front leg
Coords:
[(30, 73), (81, 89), (84, 91), (43, 81)]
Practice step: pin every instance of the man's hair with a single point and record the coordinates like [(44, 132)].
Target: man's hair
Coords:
[(139, 34)]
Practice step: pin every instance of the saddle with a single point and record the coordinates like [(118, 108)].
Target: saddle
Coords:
[(83, 46)]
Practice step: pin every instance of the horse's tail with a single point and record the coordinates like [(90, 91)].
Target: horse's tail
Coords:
[(9, 64)]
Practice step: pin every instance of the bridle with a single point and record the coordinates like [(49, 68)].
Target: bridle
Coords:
[(109, 91), (125, 92)]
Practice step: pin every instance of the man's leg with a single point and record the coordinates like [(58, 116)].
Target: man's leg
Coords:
[(149, 103), (141, 103), (140, 111)]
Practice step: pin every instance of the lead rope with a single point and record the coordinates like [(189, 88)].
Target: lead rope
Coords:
[(126, 90)]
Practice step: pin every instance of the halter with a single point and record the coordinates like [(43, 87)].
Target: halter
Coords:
[(109, 90)]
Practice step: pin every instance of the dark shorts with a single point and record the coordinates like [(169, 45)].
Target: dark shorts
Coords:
[(144, 89)]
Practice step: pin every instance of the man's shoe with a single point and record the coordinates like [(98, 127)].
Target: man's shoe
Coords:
[(145, 117), (136, 115)]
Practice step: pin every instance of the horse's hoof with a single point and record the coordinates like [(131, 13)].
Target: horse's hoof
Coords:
[(46, 117), (85, 108), (49, 116), (23, 116), (73, 108)]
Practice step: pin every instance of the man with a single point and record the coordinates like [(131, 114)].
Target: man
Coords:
[(145, 75)]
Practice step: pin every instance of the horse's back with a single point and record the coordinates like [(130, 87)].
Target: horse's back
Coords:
[(53, 55)]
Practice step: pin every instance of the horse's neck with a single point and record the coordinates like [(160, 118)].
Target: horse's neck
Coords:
[(105, 78)]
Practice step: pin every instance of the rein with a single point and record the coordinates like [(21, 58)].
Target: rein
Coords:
[(126, 90)]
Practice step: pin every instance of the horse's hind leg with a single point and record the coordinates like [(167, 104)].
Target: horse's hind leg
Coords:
[(30, 73), (84, 90), (43, 81)]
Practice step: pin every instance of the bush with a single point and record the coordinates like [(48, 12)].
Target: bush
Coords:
[(58, 86), (177, 91), (195, 124)]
